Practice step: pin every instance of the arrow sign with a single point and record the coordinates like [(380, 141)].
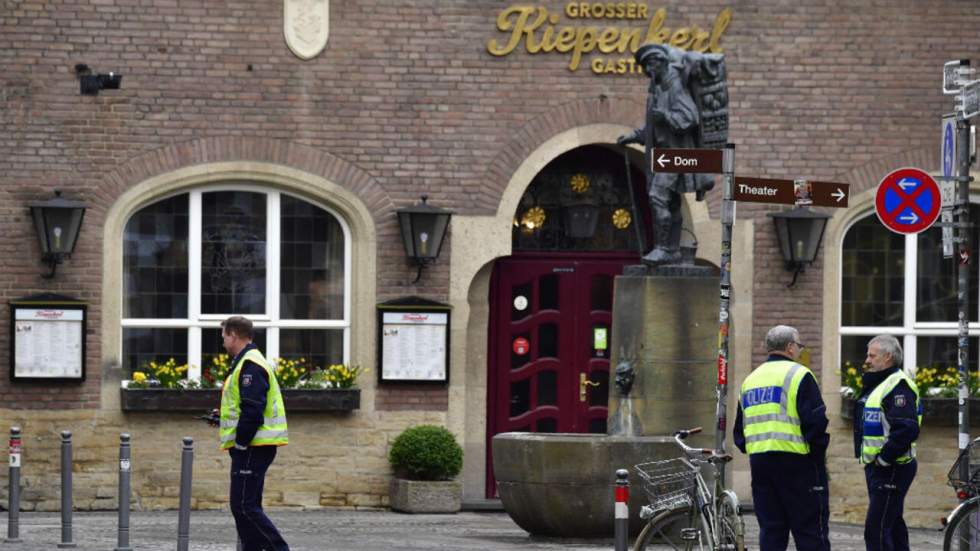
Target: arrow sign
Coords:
[(829, 194), (764, 190), (701, 161), (907, 200), (968, 105)]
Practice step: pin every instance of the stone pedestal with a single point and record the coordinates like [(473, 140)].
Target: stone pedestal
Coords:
[(665, 322)]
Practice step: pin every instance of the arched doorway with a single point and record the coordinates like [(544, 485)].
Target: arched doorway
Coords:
[(551, 300)]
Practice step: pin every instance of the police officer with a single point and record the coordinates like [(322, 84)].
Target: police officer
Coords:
[(253, 426), (886, 424), (782, 425)]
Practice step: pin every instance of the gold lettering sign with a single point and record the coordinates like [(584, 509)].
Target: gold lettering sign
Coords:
[(541, 32)]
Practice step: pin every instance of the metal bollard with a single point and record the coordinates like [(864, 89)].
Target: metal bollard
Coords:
[(122, 540), (621, 528), (13, 497), (184, 514), (66, 506)]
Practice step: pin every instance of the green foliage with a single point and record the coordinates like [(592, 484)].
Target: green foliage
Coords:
[(426, 452)]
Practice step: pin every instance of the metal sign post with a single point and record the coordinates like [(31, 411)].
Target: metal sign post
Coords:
[(727, 221), (962, 211), (956, 76)]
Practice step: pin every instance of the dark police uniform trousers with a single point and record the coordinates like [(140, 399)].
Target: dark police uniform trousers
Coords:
[(884, 527), (248, 468)]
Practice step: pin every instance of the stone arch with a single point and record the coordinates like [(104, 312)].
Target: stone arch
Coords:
[(621, 113), (243, 149)]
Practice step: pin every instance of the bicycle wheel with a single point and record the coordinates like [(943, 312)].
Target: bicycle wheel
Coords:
[(732, 527), (665, 530), (963, 531)]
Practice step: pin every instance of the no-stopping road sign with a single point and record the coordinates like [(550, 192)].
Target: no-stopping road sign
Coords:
[(907, 201)]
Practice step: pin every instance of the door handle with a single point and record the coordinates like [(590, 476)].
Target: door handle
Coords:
[(583, 384)]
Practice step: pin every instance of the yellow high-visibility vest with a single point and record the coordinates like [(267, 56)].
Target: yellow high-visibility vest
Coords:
[(770, 419), (876, 428), (273, 431)]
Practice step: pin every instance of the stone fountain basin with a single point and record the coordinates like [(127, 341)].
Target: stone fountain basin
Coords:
[(562, 485)]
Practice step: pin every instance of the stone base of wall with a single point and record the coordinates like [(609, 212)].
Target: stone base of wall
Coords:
[(331, 460)]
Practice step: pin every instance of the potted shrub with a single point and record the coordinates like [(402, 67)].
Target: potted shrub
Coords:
[(425, 459)]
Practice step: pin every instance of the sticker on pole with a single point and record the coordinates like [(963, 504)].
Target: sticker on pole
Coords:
[(908, 201)]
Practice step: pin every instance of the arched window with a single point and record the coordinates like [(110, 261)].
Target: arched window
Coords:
[(192, 260), (902, 285)]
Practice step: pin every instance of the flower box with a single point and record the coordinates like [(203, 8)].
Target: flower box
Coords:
[(936, 411), (202, 400)]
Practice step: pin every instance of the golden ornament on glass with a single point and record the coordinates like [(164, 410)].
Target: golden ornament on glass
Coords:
[(621, 219), (533, 219), (580, 183)]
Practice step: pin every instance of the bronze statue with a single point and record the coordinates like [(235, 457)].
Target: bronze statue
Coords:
[(687, 108)]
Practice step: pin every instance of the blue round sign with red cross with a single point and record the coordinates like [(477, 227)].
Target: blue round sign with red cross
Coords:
[(908, 201)]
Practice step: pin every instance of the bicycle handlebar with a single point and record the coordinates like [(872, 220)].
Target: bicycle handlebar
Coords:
[(708, 453)]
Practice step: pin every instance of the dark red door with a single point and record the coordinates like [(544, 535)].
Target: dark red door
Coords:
[(549, 345)]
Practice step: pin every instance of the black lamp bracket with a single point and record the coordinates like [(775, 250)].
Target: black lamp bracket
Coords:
[(90, 83)]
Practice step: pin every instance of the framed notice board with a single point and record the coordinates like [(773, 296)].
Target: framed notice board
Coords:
[(47, 338), (413, 341)]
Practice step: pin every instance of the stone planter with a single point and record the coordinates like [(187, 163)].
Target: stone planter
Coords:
[(202, 400), (425, 496), (936, 412)]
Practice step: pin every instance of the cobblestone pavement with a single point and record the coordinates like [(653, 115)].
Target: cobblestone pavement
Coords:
[(336, 530)]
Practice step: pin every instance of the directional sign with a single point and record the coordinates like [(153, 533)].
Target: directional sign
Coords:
[(829, 194), (703, 161), (907, 200), (791, 192), (968, 102), (954, 75), (948, 149), (947, 188)]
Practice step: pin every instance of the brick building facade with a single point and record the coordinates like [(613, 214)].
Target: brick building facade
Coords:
[(407, 99)]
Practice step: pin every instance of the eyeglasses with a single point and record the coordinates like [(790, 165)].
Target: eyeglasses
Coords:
[(798, 343)]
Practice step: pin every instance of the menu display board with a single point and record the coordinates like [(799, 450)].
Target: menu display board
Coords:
[(413, 345), (48, 341)]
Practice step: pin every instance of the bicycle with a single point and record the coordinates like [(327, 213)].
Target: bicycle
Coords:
[(683, 512), (962, 526)]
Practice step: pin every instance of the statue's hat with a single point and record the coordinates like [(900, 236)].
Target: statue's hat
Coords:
[(650, 49)]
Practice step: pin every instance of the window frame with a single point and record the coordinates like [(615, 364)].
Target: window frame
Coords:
[(270, 320), (910, 329)]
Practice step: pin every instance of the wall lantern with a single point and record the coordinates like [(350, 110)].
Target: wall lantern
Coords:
[(57, 222), (423, 230), (800, 232)]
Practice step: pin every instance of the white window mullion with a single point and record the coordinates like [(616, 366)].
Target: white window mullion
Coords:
[(272, 280), (195, 231), (910, 346), (347, 290), (194, 353)]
